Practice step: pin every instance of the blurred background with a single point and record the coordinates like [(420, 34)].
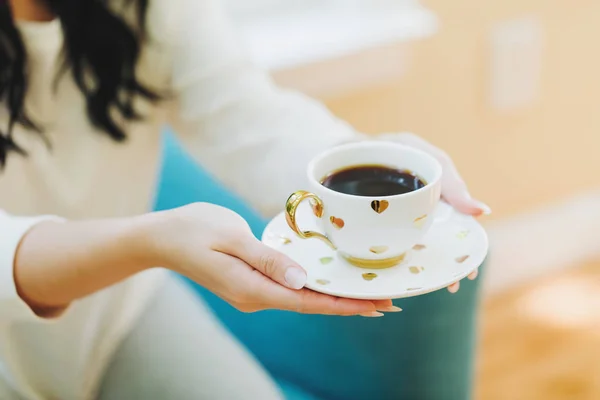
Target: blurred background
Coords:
[(510, 89)]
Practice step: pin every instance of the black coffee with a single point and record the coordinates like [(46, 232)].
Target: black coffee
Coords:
[(372, 180)]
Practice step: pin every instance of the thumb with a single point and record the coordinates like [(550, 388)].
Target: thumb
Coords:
[(272, 263), (455, 192), (464, 203)]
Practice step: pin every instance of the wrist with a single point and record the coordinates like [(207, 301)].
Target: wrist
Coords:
[(146, 240)]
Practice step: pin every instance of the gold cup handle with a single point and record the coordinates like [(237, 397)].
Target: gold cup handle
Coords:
[(291, 206)]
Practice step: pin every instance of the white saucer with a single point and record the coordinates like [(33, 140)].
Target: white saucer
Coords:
[(454, 247)]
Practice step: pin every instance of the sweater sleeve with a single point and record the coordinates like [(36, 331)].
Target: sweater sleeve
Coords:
[(12, 230), (253, 136)]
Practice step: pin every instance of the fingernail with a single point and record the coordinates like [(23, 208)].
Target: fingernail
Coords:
[(453, 288), (486, 210), (295, 278), (371, 314), (390, 309)]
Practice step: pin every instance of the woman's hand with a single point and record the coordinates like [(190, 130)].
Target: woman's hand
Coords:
[(215, 247), (454, 189)]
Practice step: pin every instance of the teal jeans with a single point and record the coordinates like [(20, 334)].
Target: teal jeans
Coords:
[(425, 352)]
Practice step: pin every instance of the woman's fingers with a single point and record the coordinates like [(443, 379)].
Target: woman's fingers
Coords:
[(270, 262), (454, 190), (252, 287), (308, 302), (473, 275), (454, 287), (272, 280), (386, 306)]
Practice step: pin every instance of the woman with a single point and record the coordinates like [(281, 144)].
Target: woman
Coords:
[(87, 86)]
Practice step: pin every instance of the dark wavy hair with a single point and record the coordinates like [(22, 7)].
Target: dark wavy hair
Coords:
[(98, 44)]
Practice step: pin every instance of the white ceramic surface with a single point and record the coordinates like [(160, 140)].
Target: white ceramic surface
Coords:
[(374, 228), (454, 247)]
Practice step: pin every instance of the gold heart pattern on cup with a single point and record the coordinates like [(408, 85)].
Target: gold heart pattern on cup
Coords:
[(379, 206), (317, 208), (337, 222)]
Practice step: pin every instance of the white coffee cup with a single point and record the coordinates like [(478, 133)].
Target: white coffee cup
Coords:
[(369, 232)]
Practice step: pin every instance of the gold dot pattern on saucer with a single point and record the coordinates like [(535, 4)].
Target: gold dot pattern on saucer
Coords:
[(419, 247), (378, 249), (461, 259), (323, 282), (325, 260), (415, 270), (369, 276), (285, 240), (462, 234), (420, 221), (337, 222), (379, 206), (412, 289)]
